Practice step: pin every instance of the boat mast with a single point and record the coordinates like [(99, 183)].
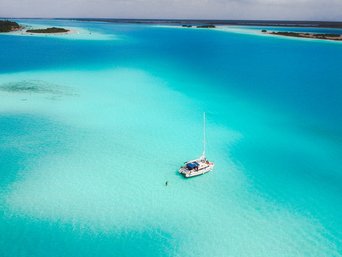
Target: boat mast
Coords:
[(203, 155)]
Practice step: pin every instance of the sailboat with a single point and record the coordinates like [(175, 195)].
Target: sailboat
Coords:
[(198, 166)]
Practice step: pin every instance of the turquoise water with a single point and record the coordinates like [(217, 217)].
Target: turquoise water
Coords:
[(92, 125)]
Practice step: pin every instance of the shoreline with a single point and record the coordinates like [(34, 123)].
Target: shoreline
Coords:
[(24, 30), (73, 33), (321, 36)]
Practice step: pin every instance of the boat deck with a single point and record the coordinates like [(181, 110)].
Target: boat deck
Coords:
[(202, 168)]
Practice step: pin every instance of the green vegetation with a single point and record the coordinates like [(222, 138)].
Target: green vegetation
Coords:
[(288, 34), (206, 26), (327, 35), (186, 26), (48, 30), (7, 26), (308, 35)]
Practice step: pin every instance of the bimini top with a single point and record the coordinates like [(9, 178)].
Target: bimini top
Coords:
[(192, 165)]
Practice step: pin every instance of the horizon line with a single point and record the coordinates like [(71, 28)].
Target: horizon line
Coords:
[(172, 19)]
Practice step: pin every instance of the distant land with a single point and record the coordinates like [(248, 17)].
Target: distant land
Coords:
[(320, 24), (195, 22), (8, 26), (48, 30), (335, 37)]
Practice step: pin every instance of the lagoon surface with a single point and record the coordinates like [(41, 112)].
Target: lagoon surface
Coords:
[(93, 123)]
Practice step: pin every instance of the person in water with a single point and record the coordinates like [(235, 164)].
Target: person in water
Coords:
[(166, 183)]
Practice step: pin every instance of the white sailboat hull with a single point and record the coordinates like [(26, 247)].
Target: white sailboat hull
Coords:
[(204, 168)]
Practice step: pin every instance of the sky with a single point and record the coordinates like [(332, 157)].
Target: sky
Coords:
[(323, 10)]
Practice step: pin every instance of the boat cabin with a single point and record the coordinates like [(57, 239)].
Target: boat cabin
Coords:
[(192, 166)]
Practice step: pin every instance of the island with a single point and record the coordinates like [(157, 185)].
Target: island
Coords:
[(8, 26), (48, 30), (336, 37), (210, 26)]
